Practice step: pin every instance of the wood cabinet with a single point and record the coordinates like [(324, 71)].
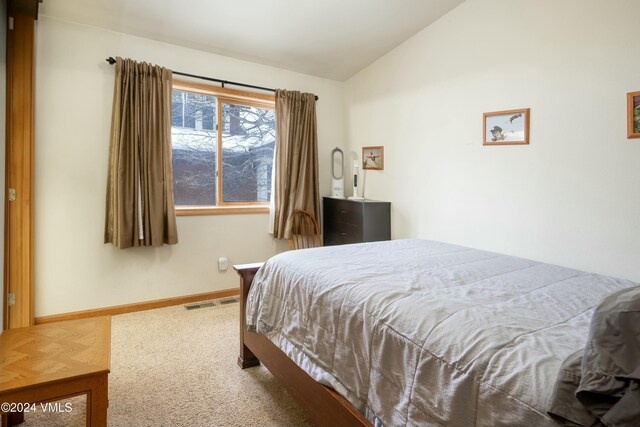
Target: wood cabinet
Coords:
[(355, 221)]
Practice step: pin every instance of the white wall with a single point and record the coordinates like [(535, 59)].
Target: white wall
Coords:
[(74, 270), (572, 197)]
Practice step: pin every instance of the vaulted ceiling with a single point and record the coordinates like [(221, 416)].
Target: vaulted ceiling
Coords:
[(327, 38)]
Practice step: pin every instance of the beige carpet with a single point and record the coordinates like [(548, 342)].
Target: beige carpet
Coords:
[(175, 367)]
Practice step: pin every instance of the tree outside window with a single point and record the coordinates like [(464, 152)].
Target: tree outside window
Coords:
[(226, 163)]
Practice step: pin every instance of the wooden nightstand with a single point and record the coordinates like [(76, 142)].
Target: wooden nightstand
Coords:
[(355, 221)]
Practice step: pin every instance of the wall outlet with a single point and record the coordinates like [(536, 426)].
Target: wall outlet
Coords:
[(223, 263)]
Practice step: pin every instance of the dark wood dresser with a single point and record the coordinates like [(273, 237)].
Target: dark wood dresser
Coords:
[(355, 221)]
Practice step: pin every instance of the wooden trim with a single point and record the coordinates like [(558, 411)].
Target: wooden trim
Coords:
[(221, 210), (24, 7), (19, 170), (630, 132), (324, 405), (138, 306), (234, 94), (228, 205), (219, 126), (7, 118), (234, 97), (257, 103), (220, 175)]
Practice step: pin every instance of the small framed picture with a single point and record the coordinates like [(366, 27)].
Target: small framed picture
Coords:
[(373, 158), (507, 127), (633, 115)]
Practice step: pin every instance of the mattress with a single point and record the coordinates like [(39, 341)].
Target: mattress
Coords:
[(416, 332)]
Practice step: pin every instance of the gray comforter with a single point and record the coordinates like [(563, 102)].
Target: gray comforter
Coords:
[(417, 332), (600, 385)]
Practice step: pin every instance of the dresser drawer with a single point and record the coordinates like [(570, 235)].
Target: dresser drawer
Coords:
[(344, 207), (342, 212), (343, 225), (342, 217), (341, 238)]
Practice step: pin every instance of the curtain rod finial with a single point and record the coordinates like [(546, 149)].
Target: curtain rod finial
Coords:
[(111, 60)]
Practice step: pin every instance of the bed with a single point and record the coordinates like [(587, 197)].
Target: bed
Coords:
[(416, 332)]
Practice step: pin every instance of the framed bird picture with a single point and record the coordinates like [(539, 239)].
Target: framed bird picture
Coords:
[(633, 115), (507, 127), (373, 158)]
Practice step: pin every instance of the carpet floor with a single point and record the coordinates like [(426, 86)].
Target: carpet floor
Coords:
[(175, 367)]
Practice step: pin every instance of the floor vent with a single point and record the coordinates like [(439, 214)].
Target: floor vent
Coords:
[(212, 303), (200, 305)]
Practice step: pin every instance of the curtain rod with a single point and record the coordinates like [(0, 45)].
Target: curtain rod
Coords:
[(111, 60)]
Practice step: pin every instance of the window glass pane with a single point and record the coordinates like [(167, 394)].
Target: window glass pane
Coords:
[(190, 111), (177, 106), (194, 151), (208, 118), (248, 139)]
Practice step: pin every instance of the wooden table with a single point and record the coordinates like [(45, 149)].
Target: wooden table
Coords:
[(55, 361)]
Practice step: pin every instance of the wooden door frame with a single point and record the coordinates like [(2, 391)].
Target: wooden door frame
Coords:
[(19, 163)]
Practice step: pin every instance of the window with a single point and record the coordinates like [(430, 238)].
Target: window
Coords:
[(222, 145), (193, 111)]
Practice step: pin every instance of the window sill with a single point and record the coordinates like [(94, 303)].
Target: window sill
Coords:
[(220, 210)]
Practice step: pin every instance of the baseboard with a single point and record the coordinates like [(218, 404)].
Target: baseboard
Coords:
[(138, 306)]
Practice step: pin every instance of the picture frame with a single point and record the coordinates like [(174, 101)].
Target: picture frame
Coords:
[(373, 157), (633, 115), (507, 127)]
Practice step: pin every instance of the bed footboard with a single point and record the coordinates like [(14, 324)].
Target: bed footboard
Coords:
[(323, 405), (246, 359)]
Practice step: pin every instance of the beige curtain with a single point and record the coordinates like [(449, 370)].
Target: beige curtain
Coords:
[(296, 165), (140, 209)]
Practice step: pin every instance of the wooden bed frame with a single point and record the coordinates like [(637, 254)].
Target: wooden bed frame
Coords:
[(324, 405)]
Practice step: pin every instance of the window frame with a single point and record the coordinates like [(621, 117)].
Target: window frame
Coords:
[(237, 97)]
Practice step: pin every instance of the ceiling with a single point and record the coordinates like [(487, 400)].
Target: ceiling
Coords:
[(327, 38)]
